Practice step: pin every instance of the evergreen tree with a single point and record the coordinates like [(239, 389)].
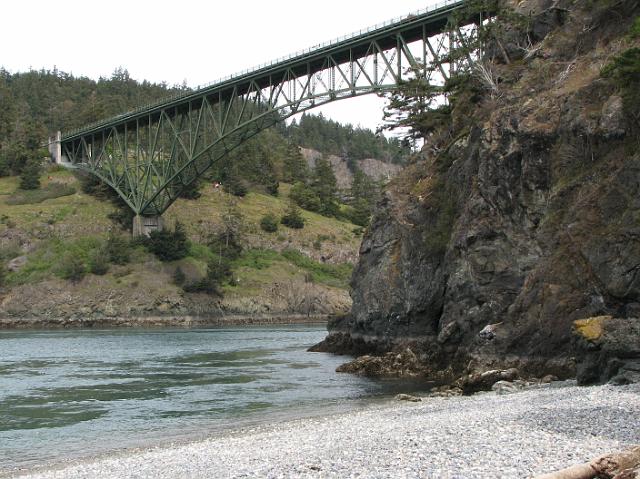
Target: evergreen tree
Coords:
[(295, 167), (169, 245), (364, 195), (269, 223), (292, 217), (227, 244), (324, 185), (305, 197), (192, 190), (30, 176)]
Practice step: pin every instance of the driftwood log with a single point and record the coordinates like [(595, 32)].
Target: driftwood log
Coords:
[(623, 465)]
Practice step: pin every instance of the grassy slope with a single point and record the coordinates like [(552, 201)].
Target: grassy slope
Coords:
[(78, 223)]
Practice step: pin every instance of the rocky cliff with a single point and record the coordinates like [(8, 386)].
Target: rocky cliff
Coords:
[(523, 212), (375, 169)]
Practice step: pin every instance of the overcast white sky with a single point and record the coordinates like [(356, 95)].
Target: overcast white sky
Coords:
[(174, 41)]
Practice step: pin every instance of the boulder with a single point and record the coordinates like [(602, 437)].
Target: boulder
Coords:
[(17, 264), (476, 382), (394, 364)]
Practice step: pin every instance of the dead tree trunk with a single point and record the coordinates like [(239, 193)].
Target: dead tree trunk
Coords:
[(624, 465)]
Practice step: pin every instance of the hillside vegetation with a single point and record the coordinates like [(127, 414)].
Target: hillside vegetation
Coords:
[(266, 230), (43, 239)]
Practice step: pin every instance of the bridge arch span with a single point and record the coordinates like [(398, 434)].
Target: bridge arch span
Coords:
[(150, 154)]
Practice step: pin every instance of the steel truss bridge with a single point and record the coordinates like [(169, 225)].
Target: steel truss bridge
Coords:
[(149, 155)]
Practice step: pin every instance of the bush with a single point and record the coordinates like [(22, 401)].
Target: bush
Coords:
[(179, 277), (218, 272), (269, 223), (98, 263), (192, 190), (236, 186), (72, 267), (293, 218), (3, 274), (118, 249), (305, 197), (169, 245)]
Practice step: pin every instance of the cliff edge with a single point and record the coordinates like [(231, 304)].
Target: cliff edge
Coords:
[(522, 213)]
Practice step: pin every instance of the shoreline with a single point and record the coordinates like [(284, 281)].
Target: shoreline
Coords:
[(514, 435), (186, 321)]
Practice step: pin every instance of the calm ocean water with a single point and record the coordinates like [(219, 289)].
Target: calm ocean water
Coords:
[(78, 393)]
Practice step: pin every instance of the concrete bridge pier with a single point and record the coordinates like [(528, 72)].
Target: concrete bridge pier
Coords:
[(144, 225), (55, 148)]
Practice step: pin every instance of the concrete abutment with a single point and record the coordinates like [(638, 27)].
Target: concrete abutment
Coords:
[(144, 225)]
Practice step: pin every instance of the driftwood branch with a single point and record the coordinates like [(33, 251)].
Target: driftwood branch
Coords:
[(624, 465)]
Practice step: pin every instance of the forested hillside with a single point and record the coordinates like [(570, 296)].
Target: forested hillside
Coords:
[(38, 102), (246, 248)]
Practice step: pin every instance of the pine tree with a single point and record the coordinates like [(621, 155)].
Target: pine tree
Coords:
[(364, 195), (30, 176), (295, 167), (325, 187), (292, 217)]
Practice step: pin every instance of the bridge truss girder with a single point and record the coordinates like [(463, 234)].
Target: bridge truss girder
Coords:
[(151, 158)]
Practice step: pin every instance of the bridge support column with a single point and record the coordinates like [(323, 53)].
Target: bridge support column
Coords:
[(55, 148), (144, 225)]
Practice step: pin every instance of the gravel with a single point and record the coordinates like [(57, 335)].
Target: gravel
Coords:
[(486, 435)]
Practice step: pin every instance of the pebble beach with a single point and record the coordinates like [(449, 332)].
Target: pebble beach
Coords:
[(516, 435)]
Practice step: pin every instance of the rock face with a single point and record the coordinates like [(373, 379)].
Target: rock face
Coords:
[(376, 169), (482, 257), (608, 349)]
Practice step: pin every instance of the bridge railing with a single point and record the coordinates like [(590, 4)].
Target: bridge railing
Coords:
[(315, 48)]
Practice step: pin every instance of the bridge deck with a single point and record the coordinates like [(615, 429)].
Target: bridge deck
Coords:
[(414, 26)]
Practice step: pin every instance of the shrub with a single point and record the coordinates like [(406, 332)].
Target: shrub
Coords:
[(98, 263), (292, 218), (3, 274), (218, 272), (236, 186), (192, 190), (269, 223), (305, 197), (118, 249), (72, 267), (169, 245), (179, 277)]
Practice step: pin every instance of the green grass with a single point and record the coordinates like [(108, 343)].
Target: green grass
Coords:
[(336, 275), (46, 261), (200, 252), (48, 192)]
